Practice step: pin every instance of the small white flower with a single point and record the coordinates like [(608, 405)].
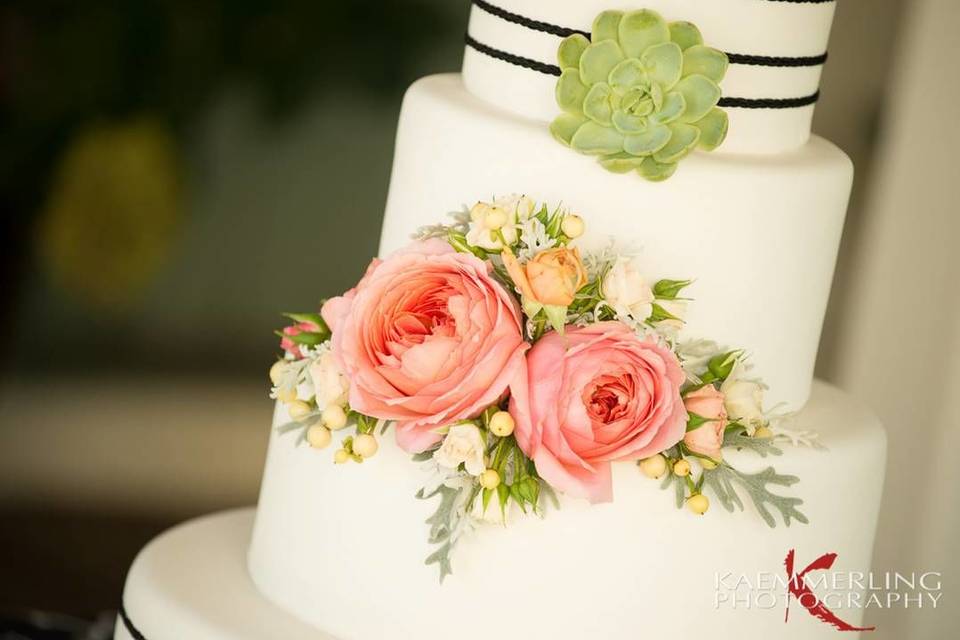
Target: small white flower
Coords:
[(330, 386), (533, 235), (626, 291), (743, 399), (511, 210), (462, 444)]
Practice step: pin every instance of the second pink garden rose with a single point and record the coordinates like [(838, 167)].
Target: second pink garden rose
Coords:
[(427, 338), (592, 396)]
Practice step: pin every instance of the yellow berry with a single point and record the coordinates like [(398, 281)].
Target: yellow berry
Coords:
[(654, 466), (334, 417), (318, 436), (502, 424), (286, 394), (698, 503), (572, 226), (763, 432), (341, 456), (490, 479), (365, 445), (276, 371), (298, 409), (681, 468)]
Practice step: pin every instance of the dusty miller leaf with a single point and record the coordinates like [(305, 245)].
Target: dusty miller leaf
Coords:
[(443, 524), (762, 446), (722, 480), (680, 490)]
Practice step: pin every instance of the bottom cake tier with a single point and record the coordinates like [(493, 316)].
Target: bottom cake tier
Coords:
[(342, 548)]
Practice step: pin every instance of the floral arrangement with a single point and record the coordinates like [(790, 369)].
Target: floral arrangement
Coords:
[(641, 93), (513, 367)]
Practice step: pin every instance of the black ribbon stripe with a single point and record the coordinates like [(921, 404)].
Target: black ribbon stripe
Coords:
[(129, 626), (735, 58), (554, 70)]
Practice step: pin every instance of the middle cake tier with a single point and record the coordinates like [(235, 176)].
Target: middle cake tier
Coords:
[(757, 234)]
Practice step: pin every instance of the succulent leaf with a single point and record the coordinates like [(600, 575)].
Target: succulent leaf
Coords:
[(621, 162), (705, 61), (627, 123), (656, 171), (685, 34), (640, 30), (571, 92), (598, 60), (673, 107), (571, 48), (627, 74), (663, 63), (596, 139), (565, 126), (649, 141), (701, 95), (683, 139), (713, 129), (606, 26), (596, 105)]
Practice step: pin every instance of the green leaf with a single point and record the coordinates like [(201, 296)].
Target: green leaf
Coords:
[(487, 494), (628, 74), (570, 91), (713, 129), (685, 34), (640, 30), (565, 126), (683, 139), (701, 95), (517, 496), (556, 316), (310, 338), (571, 48), (673, 107), (670, 289), (722, 365), (503, 495), (596, 105), (627, 123), (654, 171), (596, 139), (315, 318), (695, 421), (598, 60), (621, 162), (459, 242), (663, 63), (606, 26), (655, 137), (659, 314), (706, 61)]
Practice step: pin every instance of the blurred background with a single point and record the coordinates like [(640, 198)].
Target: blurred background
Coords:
[(170, 170)]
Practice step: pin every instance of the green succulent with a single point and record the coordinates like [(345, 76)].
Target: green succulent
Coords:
[(641, 93)]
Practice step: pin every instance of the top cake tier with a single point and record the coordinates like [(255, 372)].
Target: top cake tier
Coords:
[(776, 49)]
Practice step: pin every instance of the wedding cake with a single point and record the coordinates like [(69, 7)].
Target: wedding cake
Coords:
[(567, 395)]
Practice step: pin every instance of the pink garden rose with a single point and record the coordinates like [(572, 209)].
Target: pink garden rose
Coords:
[(296, 329), (427, 338), (595, 395), (707, 439)]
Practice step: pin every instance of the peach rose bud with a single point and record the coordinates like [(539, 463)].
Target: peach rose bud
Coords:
[(707, 438)]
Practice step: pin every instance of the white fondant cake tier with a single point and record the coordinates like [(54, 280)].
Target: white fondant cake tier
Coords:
[(756, 28), (191, 583), (758, 234), (342, 548)]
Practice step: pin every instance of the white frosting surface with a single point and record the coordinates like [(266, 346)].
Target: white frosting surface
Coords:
[(759, 234), (752, 27), (342, 547)]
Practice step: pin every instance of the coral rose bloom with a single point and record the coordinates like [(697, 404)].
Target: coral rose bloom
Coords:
[(595, 395), (426, 338)]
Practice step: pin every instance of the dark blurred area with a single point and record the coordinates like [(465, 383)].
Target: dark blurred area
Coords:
[(173, 175)]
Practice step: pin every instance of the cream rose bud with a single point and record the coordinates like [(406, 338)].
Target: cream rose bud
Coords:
[(462, 444), (625, 289), (330, 386), (743, 400)]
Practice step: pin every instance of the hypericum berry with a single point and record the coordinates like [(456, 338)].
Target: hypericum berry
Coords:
[(681, 468), (334, 417), (698, 503), (572, 226), (298, 409), (654, 466), (318, 436), (502, 424), (490, 479), (365, 445)]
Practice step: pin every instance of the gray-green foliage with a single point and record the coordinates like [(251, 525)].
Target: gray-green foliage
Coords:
[(641, 94)]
